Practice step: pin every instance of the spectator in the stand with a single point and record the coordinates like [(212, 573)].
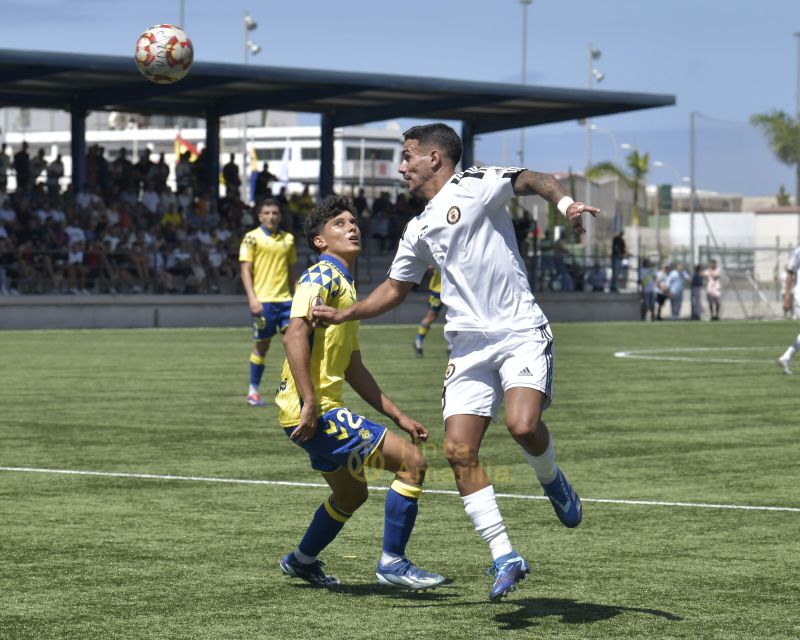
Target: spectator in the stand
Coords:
[(697, 291), (230, 175), (150, 198), (22, 167), (38, 166), (76, 269), (596, 277), (179, 261), (9, 271), (263, 186), (676, 280), (714, 289), (122, 174), (141, 170), (647, 278), (55, 171), (5, 165), (103, 170), (158, 173), (183, 172), (139, 265), (662, 289), (200, 173), (618, 254)]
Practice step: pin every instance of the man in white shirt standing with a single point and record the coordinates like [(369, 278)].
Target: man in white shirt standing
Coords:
[(791, 302), (502, 344)]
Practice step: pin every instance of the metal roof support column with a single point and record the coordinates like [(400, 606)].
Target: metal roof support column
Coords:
[(468, 141), (77, 142), (326, 155), (212, 150)]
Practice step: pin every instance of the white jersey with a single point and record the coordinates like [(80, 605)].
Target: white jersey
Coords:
[(794, 266), (467, 234)]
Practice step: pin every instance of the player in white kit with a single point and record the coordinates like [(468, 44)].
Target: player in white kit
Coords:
[(791, 302), (502, 343)]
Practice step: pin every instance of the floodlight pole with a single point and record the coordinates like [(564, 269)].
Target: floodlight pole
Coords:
[(182, 18)]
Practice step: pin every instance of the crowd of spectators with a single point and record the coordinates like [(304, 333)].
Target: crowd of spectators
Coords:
[(127, 231)]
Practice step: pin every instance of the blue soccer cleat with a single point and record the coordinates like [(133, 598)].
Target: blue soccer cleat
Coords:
[(565, 501), (311, 573), (508, 570), (404, 573)]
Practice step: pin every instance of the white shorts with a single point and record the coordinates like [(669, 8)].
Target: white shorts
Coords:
[(483, 366)]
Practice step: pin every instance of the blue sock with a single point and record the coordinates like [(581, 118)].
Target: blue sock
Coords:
[(256, 369), (326, 524), (400, 516)]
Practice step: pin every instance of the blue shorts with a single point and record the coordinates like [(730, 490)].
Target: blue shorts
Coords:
[(342, 439), (273, 318)]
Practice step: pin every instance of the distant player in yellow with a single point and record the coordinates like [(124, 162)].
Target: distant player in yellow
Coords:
[(267, 256), (434, 309), (313, 414)]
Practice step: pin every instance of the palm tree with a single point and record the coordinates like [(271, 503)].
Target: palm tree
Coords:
[(638, 167), (783, 134)]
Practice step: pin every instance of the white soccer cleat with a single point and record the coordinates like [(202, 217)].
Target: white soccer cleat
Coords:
[(784, 362)]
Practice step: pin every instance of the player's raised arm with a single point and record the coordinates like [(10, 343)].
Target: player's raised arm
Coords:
[(362, 382), (386, 296), (533, 183)]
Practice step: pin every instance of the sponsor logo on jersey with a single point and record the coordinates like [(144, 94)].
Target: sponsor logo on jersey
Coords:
[(453, 215)]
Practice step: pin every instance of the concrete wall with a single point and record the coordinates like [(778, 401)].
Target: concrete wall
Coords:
[(127, 311)]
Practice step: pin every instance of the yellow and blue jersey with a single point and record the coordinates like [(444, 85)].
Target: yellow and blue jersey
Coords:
[(331, 346), (272, 254), (435, 290)]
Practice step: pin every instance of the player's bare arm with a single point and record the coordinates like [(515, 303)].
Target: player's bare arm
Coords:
[(533, 183), (246, 272), (298, 354), (386, 296), (362, 382)]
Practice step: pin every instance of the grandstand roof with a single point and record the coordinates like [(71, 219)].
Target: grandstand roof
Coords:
[(112, 83)]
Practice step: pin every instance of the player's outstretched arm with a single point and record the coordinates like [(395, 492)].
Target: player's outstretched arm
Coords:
[(362, 382), (298, 354), (386, 296), (533, 183)]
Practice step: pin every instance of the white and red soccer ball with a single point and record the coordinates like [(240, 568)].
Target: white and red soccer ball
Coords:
[(164, 53)]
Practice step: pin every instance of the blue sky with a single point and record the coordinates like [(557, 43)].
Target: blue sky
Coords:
[(724, 59)]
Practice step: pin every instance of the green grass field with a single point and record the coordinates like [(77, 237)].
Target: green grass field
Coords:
[(713, 421)]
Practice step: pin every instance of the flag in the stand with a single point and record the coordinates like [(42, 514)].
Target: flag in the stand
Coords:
[(182, 146)]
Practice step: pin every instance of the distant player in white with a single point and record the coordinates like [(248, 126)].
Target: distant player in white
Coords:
[(791, 302), (502, 344)]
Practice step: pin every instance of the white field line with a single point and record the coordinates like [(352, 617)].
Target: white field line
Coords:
[(655, 354), (282, 483)]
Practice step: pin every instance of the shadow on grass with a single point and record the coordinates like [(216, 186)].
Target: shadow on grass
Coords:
[(570, 612), (386, 591)]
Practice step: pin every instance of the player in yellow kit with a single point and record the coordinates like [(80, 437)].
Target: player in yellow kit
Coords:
[(266, 256), (339, 442), (434, 309)]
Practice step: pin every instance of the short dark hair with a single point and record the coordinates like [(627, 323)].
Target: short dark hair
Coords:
[(326, 210), (272, 202), (437, 135)]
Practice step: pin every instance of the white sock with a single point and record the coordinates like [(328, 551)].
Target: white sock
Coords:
[(482, 509), (792, 348), (544, 465), (302, 558), (252, 390)]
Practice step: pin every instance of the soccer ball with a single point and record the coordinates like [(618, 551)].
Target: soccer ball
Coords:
[(164, 53)]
